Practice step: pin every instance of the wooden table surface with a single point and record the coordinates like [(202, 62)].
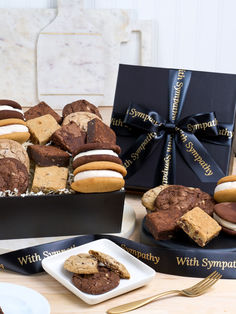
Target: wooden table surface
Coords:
[(220, 299)]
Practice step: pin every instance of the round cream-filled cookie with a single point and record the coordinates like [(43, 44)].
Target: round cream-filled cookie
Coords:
[(96, 152), (101, 165), (14, 129), (225, 215), (225, 191)]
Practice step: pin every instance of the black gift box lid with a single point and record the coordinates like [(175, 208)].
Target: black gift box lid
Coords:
[(148, 86)]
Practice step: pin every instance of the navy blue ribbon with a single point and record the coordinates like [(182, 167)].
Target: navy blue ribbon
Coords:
[(184, 134)]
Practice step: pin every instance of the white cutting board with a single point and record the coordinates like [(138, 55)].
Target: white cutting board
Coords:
[(79, 52)]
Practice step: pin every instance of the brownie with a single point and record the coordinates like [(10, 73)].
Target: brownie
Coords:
[(48, 156), (69, 137), (40, 110), (80, 105), (99, 132), (13, 175), (163, 224), (98, 283)]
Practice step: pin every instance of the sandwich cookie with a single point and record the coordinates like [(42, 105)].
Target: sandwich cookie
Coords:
[(14, 129), (13, 149), (98, 177), (225, 215), (10, 109), (96, 152), (225, 190)]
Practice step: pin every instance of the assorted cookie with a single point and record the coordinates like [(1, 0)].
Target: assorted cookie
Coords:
[(168, 203), (58, 147), (225, 190), (95, 272)]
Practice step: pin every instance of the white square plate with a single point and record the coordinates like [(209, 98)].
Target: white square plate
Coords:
[(140, 273)]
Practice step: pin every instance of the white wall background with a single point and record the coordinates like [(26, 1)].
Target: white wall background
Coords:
[(194, 34)]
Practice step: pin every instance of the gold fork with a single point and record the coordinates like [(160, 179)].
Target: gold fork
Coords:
[(193, 291)]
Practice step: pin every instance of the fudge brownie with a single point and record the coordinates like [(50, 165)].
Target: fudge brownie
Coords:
[(42, 128), (10, 109), (163, 224), (99, 132), (199, 226), (40, 110), (69, 137), (80, 105), (48, 155), (13, 175)]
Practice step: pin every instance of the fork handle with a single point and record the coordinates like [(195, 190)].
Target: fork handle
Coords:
[(136, 304)]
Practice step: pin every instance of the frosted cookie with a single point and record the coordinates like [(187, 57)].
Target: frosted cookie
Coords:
[(80, 105), (41, 109), (225, 191), (149, 197), (82, 263), (98, 283), (13, 176), (100, 154), (48, 155), (10, 109), (80, 118), (42, 128), (199, 226), (14, 129), (225, 215), (99, 132), (48, 179), (13, 149), (111, 263)]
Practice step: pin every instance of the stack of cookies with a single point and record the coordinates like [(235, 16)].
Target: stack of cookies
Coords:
[(95, 272), (78, 141)]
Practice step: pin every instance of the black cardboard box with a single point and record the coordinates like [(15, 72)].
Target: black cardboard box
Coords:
[(149, 87), (61, 215)]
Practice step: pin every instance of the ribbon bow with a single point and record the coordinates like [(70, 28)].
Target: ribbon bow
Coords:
[(185, 134)]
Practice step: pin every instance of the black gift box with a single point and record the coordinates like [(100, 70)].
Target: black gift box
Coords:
[(149, 87), (61, 215)]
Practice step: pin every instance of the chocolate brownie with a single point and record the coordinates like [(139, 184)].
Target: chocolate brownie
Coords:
[(98, 283), (48, 156), (163, 224), (80, 105), (10, 109), (177, 197), (40, 110), (99, 132), (13, 175), (69, 137), (92, 146)]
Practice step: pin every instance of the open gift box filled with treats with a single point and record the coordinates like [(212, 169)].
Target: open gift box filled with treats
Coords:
[(59, 175)]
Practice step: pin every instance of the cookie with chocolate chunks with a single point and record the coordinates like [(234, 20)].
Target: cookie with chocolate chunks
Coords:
[(13, 175), (98, 283), (80, 105)]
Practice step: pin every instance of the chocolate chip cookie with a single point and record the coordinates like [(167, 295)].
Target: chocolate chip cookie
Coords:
[(82, 263), (13, 175), (98, 283), (80, 105)]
